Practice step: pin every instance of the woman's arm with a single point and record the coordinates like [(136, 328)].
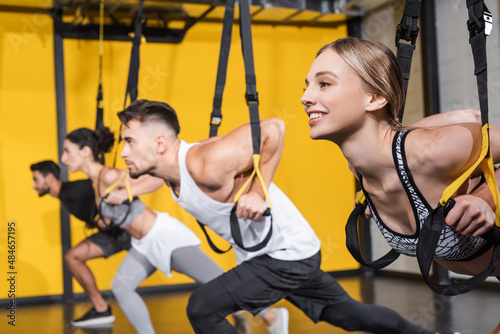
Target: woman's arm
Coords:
[(450, 117), (145, 184)]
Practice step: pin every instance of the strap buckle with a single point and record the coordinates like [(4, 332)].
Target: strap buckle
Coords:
[(476, 25), (488, 22), (216, 120), (407, 29), (252, 97)]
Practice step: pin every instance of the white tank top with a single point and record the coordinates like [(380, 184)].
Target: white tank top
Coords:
[(292, 237)]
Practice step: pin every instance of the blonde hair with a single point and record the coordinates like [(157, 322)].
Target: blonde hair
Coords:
[(377, 67)]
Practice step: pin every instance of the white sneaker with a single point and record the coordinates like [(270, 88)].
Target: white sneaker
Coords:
[(241, 324), (280, 326)]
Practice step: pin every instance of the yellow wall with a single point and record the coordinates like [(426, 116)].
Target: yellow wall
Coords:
[(313, 174), (27, 134)]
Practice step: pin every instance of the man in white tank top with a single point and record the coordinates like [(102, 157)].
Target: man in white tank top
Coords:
[(204, 178)]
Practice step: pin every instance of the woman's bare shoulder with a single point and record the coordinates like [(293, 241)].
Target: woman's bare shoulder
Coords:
[(447, 149)]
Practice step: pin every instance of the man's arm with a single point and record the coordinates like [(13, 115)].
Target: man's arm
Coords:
[(251, 205), (222, 163)]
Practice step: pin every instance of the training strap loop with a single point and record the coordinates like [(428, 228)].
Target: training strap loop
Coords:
[(236, 232), (426, 247), (352, 241), (210, 242), (99, 215)]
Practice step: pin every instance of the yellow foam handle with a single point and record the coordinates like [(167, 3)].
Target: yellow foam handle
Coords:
[(486, 167), (256, 171), (242, 189), (256, 164), (360, 198), (489, 175), (117, 182)]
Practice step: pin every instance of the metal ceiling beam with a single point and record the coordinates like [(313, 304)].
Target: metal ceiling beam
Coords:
[(119, 16), (115, 32)]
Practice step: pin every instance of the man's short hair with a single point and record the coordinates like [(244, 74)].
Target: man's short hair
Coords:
[(150, 111), (47, 167)]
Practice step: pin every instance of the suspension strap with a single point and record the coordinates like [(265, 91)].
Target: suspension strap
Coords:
[(132, 89), (252, 99), (225, 45), (408, 30), (479, 25), (99, 215), (133, 72), (99, 121), (352, 239)]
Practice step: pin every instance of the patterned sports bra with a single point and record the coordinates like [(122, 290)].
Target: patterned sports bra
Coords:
[(452, 245)]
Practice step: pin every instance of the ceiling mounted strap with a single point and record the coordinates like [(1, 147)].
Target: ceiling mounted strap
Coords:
[(407, 30)]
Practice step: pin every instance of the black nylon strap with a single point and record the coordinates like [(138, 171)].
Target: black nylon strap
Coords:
[(251, 97), (352, 241), (431, 230), (236, 232), (227, 29), (477, 40), (405, 56), (408, 30), (99, 122), (133, 72), (251, 94), (426, 248), (210, 242), (99, 117)]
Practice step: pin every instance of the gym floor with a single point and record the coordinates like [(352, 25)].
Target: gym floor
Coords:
[(472, 313)]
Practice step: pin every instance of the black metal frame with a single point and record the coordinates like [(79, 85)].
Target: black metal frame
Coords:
[(61, 135)]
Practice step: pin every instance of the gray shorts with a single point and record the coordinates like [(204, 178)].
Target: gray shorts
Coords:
[(112, 241)]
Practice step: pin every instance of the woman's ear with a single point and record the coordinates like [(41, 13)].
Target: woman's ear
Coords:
[(86, 151), (376, 102)]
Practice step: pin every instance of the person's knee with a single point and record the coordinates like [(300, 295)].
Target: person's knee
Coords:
[(196, 308), (71, 257), (352, 315), (119, 286), (82, 253)]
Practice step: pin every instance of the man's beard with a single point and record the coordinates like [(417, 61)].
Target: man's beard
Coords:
[(136, 174), (43, 191)]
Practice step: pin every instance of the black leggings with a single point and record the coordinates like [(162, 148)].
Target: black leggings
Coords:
[(352, 315), (208, 308)]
